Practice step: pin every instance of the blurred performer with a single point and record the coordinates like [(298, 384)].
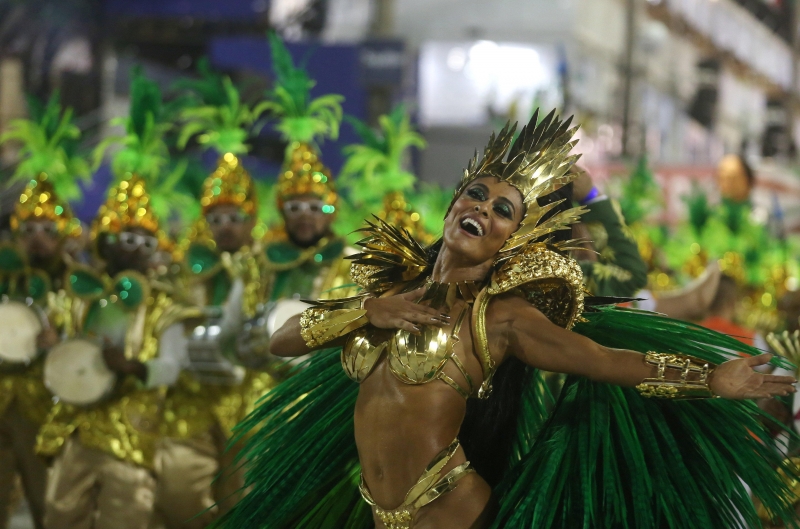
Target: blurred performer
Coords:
[(305, 257), (32, 269), (105, 442), (222, 274), (614, 267), (102, 476)]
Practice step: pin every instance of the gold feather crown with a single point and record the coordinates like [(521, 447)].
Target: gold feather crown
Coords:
[(538, 163)]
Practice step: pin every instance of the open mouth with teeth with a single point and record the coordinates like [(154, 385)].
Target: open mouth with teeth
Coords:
[(472, 227)]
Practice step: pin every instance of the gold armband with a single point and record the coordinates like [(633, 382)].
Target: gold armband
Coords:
[(319, 326), (679, 388)]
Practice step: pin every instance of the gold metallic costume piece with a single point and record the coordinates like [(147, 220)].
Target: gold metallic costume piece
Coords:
[(127, 426), (429, 487), (319, 326), (128, 206), (230, 183), (39, 202), (304, 174), (549, 280), (681, 388), (416, 359), (88, 489)]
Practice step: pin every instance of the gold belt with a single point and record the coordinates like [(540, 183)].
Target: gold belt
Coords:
[(430, 486)]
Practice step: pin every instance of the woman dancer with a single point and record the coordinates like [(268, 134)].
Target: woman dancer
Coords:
[(446, 344)]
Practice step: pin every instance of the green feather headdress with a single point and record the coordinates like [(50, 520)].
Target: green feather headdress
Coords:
[(49, 140), (221, 118), (49, 165), (144, 152), (640, 193), (301, 119), (375, 167)]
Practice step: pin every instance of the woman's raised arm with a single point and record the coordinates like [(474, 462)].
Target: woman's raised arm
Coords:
[(517, 328)]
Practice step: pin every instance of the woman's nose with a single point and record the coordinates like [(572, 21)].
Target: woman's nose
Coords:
[(481, 210)]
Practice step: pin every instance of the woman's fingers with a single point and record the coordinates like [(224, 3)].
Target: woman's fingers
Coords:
[(759, 360), (414, 295), (779, 379), (407, 326), (774, 390), (424, 318)]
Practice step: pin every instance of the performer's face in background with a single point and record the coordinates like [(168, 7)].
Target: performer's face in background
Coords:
[(230, 227), (131, 249), (732, 179), (40, 241), (306, 220), (496, 206)]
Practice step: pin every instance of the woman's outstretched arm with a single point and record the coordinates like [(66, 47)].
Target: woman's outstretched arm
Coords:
[(517, 328)]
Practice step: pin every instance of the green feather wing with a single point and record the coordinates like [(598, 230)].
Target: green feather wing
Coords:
[(301, 459), (609, 458)]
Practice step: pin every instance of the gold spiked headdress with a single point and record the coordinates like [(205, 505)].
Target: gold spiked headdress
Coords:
[(230, 183), (39, 201), (128, 206), (538, 163), (304, 174)]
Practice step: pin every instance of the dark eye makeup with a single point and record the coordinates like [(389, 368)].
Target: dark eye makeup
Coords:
[(477, 193), (502, 208)]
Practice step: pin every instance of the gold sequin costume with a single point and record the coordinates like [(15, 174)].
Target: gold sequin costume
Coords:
[(105, 452)]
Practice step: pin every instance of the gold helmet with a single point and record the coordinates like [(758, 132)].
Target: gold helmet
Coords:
[(305, 174), (230, 183), (128, 206), (39, 201)]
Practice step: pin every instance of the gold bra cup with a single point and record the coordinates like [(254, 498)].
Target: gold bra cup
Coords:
[(419, 359), (415, 359)]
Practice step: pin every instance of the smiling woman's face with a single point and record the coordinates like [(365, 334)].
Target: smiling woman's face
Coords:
[(483, 217)]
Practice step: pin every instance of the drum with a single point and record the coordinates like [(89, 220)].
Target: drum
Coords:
[(20, 325), (282, 312), (75, 372)]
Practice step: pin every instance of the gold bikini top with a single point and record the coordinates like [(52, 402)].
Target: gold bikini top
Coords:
[(416, 359), (391, 259)]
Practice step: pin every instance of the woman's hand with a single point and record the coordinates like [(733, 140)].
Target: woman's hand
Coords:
[(735, 379), (401, 312)]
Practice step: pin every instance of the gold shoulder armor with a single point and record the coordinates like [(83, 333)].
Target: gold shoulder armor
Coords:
[(550, 281)]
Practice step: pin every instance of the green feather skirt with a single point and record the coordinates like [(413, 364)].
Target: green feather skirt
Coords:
[(604, 458)]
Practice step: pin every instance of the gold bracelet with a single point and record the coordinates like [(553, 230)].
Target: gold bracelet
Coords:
[(319, 326), (682, 388)]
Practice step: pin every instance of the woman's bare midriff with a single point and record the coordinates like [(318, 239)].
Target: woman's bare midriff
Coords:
[(400, 428)]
